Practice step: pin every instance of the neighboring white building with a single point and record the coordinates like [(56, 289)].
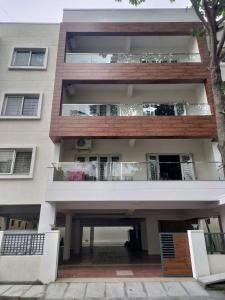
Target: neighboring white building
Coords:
[(28, 61)]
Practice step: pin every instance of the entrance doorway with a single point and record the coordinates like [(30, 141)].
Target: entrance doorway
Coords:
[(110, 247)]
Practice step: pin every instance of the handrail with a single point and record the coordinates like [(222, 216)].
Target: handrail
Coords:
[(136, 53), (123, 57), (135, 109), (141, 162), (149, 103)]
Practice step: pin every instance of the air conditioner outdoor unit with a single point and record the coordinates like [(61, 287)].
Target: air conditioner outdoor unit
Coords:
[(83, 144)]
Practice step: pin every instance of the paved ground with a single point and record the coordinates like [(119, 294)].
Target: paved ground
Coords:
[(74, 271), (129, 290)]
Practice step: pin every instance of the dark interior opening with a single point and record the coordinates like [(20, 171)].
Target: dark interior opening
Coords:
[(170, 167)]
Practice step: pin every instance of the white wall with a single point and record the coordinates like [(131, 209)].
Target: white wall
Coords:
[(202, 263), (32, 268), (134, 44), (129, 15), (20, 268), (32, 132), (141, 93), (113, 236), (216, 263), (199, 258)]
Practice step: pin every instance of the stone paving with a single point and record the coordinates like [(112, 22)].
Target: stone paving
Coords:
[(152, 290)]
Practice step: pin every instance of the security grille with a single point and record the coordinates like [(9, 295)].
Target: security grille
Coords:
[(167, 245), (23, 244)]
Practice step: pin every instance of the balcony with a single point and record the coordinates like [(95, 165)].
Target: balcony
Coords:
[(126, 110), (134, 99), (139, 171), (130, 49), (125, 58)]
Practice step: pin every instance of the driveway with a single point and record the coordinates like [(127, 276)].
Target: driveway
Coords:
[(127, 290)]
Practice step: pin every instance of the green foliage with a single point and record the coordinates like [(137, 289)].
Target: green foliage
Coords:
[(199, 32), (134, 2), (223, 87)]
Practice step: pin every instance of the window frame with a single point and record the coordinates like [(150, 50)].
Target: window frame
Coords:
[(21, 148), (28, 67), (147, 155), (21, 117)]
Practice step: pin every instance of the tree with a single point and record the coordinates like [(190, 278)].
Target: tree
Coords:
[(212, 16)]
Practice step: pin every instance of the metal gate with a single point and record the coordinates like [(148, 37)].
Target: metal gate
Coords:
[(175, 254)]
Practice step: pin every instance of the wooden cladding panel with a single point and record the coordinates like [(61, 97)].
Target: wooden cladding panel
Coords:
[(150, 73), (134, 28), (181, 264), (137, 127), (133, 127)]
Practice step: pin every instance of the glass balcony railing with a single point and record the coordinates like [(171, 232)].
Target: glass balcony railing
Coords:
[(138, 171), (127, 58), (147, 109)]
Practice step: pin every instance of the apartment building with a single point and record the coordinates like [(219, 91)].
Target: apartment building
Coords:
[(112, 140)]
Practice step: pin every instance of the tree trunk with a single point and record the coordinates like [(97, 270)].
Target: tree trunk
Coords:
[(219, 102)]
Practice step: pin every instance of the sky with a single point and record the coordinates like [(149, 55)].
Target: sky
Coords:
[(51, 10)]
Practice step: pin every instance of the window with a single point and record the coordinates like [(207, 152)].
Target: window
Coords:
[(21, 106), (171, 167), (29, 58), (16, 161)]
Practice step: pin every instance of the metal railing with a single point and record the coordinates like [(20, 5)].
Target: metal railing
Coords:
[(146, 109), (137, 171), (110, 58), (23, 244), (215, 243)]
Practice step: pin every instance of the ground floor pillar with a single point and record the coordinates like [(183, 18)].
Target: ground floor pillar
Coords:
[(47, 217), (152, 236), (67, 237), (92, 234), (77, 237), (144, 241), (4, 223)]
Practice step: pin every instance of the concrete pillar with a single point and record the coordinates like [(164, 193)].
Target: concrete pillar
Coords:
[(67, 237), (152, 236), (4, 221), (49, 259), (77, 237), (144, 242), (222, 217), (92, 234), (198, 253), (47, 217)]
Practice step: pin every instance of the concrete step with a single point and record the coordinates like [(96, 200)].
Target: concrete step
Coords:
[(210, 279)]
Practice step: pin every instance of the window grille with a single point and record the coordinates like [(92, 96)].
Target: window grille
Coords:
[(23, 244), (167, 245), (22, 163), (15, 161), (28, 57), (20, 105)]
